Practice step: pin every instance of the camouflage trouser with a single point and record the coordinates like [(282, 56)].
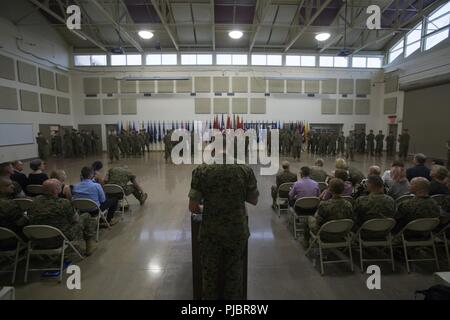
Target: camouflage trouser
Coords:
[(167, 152), (131, 189), (114, 153), (222, 261), (297, 151), (403, 151), (85, 228)]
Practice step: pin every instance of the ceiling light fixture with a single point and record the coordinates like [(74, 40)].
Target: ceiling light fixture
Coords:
[(322, 36), (235, 34), (144, 34)]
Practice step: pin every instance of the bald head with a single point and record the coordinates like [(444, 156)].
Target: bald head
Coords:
[(52, 187), (420, 186), (374, 171)]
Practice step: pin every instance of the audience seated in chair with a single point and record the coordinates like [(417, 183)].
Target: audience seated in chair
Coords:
[(97, 166), (37, 176), (334, 209), (305, 187), (419, 169), (51, 210), (284, 176), (61, 176), (11, 216), (318, 174), (399, 184), (376, 205), (355, 176), (421, 206), (348, 188), (361, 188), (439, 179), (18, 176), (387, 176), (88, 189), (122, 176), (6, 171)]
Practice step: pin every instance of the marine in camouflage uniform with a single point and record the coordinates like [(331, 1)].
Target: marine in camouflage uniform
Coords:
[(42, 143), (59, 213), (370, 143), (11, 216), (283, 176), (341, 144), (168, 145), (113, 146), (57, 144), (416, 208), (224, 231), (379, 138), (79, 146), (403, 144), (336, 208), (350, 142), (68, 145), (141, 139), (332, 144), (373, 206), (390, 144), (297, 145), (122, 145), (122, 177)]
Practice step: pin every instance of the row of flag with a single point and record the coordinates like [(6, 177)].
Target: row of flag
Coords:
[(157, 130)]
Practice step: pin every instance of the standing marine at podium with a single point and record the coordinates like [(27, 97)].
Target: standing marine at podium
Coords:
[(223, 189)]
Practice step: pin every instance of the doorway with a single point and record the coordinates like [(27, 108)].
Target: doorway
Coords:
[(360, 127), (326, 127)]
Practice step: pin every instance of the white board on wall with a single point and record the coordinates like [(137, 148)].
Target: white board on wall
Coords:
[(16, 133)]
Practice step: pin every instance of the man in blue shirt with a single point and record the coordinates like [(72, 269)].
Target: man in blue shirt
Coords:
[(88, 189)]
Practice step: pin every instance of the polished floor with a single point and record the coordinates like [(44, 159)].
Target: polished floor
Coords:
[(148, 255)]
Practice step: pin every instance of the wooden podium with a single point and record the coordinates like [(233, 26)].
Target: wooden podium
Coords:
[(196, 262)]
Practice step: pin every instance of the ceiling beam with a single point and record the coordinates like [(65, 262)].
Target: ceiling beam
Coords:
[(116, 26), (157, 6), (310, 21), (358, 21), (261, 9), (399, 30), (59, 18)]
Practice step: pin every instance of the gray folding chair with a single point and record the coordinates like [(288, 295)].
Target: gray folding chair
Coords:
[(283, 189), (117, 192), (349, 199), (424, 227), (24, 203), (439, 198), (306, 204), (405, 197), (340, 227), (442, 236), (12, 253), (383, 228), (88, 205), (36, 233), (35, 189)]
